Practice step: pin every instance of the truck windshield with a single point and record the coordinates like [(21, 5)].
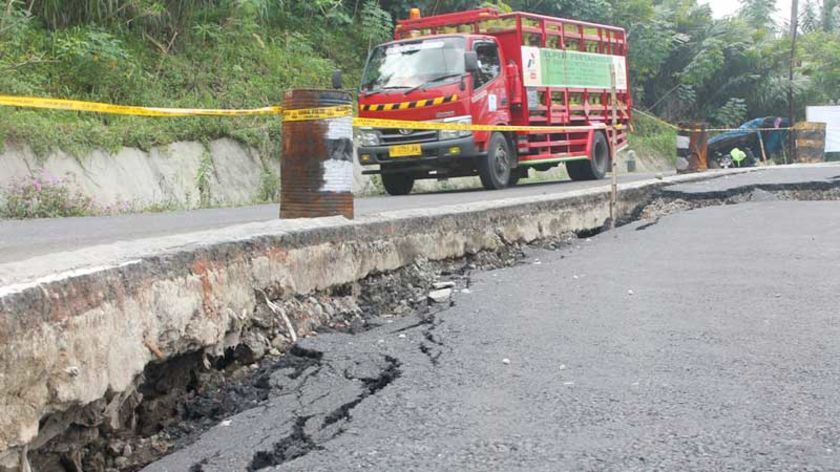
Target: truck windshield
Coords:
[(409, 64)]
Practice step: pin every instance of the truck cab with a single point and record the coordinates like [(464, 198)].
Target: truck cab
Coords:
[(451, 70)]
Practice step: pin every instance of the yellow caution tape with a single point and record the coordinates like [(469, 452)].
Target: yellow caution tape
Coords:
[(78, 105), (739, 129), (698, 130), (656, 118), (324, 113), (308, 114)]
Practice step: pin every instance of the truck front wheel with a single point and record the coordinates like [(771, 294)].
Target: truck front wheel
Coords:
[(596, 167), (397, 184), (494, 170)]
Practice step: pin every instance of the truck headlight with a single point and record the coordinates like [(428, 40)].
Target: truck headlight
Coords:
[(368, 137), (452, 134)]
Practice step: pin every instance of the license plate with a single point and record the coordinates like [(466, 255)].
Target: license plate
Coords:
[(405, 150)]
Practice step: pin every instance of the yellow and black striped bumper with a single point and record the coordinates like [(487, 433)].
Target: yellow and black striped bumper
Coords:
[(430, 102)]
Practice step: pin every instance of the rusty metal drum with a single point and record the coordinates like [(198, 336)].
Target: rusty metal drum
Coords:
[(810, 142), (692, 147), (316, 167)]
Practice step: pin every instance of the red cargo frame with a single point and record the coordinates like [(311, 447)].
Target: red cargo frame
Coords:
[(557, 106)]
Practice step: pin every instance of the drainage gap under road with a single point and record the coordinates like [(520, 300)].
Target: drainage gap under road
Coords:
[(665, 203), (175, 401)]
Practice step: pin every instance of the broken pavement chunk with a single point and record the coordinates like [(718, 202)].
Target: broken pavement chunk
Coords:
[(440, 296)]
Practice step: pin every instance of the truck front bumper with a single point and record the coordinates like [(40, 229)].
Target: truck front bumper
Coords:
[(440, 156)]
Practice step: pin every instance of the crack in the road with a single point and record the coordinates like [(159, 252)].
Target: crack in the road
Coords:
[(433, 357), (647, 225), (431, 337), (428, 335), (372, 386), (420, 323), (297, 444)]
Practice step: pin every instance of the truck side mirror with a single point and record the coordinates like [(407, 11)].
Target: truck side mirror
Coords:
[(470, 62), (336, 80)]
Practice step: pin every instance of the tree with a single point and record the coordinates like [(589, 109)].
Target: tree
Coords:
[(759, 13), (810, 20), (821, 65), (830, 15)]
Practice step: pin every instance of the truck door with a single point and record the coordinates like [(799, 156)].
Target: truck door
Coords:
[(490, 101)]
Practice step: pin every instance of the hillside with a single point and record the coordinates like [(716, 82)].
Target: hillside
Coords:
[(174, 54), (685, 64)]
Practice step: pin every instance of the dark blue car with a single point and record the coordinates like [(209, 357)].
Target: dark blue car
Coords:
[(746, 138)]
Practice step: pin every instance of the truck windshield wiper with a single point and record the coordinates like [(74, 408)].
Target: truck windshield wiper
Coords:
[(377, 91), (436, 79)]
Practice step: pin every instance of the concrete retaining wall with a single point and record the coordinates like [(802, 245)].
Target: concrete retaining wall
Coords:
[(136, 179)]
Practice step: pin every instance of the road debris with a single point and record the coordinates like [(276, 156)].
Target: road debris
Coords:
[(440, 296)]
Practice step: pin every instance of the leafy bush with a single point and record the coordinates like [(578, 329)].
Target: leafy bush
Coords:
[(269, 187), (731, 114), (44, 196), (376, 22), (203, 178)]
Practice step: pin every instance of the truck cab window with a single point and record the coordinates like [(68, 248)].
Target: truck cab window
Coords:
[(488, 63)]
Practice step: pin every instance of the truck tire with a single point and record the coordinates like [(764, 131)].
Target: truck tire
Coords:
[(516, 174), (494, 169), (596, 167), (397, 184)]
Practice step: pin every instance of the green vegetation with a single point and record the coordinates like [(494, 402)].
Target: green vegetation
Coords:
[(685, 65), (44, 196), (269, 187), (652, 138), (184, 53)]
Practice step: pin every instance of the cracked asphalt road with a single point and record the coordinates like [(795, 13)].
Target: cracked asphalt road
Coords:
[(707, 341)]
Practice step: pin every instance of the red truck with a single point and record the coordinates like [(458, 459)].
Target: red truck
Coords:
[(486, 67)]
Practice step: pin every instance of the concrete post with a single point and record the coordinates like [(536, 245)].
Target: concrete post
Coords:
[(316, 167)]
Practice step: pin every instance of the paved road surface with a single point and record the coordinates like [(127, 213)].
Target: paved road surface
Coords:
[(20, 240), (725, 356), (814, 176)]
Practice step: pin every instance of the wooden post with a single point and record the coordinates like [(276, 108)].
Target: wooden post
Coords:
[(794, 29), (614, 160), (761, 144)]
